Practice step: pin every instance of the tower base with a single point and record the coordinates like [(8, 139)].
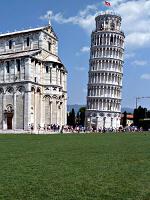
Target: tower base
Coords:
[(101, 120)]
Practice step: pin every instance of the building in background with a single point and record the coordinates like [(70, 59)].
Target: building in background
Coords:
[(33, 80), (105, 73)]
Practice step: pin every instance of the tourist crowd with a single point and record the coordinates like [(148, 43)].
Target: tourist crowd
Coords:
[(55, 128)]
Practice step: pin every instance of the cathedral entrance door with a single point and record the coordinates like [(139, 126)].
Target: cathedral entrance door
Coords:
[(9, 121)]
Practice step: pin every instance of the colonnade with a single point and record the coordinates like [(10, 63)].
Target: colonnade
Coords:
[(105, 78), (104, 104), (105, 91), (108, 39), (107, 52), (53, 112), (12, 70), (107, 65)]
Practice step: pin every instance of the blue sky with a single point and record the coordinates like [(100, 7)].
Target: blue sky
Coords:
[(73, 22)]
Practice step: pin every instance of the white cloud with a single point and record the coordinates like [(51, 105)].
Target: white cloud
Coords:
[(145, 76), (135, 20), (138, 39), (85, 18), (85, 49), (80, 68), (140, 62), (129, 55)]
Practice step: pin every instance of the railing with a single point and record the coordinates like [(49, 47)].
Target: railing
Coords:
[(107, 12)]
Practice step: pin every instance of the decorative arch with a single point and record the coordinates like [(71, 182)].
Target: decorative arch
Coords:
[(55, 96), (21, 89), (20, 102), (1, 91), (32, 89), (9, 108), (10, 90), (38, 90), (47, 96)]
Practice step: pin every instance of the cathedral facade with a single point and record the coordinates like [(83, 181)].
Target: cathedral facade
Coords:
[(105, 73), (33, 80)]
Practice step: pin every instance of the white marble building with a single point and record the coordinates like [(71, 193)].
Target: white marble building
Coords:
[(105, 73), (33, 80)]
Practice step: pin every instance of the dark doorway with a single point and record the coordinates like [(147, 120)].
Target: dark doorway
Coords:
[(9, 121)]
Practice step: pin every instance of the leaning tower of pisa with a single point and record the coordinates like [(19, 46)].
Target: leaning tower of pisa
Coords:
[(105, 73)]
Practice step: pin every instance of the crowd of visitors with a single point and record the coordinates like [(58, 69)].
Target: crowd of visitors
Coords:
[(55, 128), (46, 127)]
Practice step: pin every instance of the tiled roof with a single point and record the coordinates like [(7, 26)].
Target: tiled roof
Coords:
[(55, 59), (52, 59), (129, 116)]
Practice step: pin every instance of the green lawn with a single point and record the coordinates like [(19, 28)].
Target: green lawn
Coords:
[(75, 167)]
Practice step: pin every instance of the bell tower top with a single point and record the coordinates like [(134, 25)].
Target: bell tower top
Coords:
[(108, 21)]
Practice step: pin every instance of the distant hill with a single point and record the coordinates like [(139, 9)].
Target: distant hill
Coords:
[(128, 110), (77, 107)]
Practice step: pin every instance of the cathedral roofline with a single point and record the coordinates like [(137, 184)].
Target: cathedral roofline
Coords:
[(43, 28)]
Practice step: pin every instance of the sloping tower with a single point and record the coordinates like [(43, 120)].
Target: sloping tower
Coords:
[(105, 73)]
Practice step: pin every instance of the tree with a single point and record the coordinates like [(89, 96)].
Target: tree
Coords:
[(148, 114), (78, 119), (139, 113), (71, 118), (82, 115), (124, 120)]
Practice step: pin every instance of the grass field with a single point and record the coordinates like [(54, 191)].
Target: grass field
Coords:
[(75, 167)]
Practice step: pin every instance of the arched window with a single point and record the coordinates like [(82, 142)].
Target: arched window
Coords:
[(9, 108), (47, 69), (7, 67), (32, 89), (28, 41), (112, 26), (49, 46), (101, 26), (101, 40), (111, 39), (38, 90), (18, 65), (10, 44)]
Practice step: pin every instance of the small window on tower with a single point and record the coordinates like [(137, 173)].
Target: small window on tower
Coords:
[(102, 27), (47, 69), (10, 44), (111, 39), (107, 21), (101, 40), (28, 41), (112, 26), (7, 67), (49, 46), (18, 65)]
